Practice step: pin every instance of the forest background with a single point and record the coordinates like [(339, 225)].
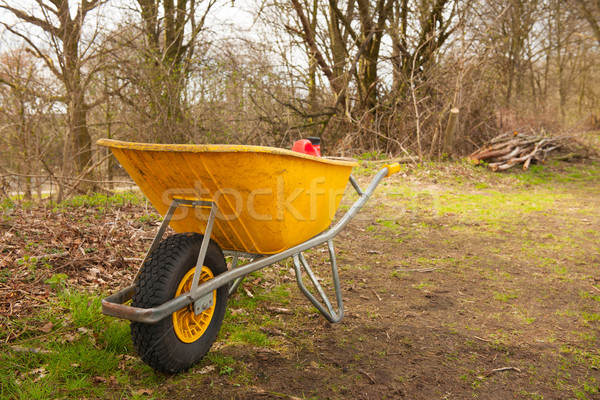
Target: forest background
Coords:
[(418, 78)]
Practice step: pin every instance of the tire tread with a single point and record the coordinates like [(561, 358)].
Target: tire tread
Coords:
[(152, 290)]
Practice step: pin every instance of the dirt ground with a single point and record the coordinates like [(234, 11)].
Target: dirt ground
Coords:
[(457, 284), (439, 305)]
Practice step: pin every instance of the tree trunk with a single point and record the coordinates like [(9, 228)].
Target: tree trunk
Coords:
[(80, 135), (450, 132)]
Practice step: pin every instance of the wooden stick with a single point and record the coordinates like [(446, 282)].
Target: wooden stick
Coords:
[(510, 155), (375, 293), (279, 310), (490, 154), (417, 270), (504, 369), (368, 376)]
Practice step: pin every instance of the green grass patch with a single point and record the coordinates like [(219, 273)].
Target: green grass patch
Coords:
[(539, 175), (590, 316), (100, 200), (493, 207), (505, 296), (244, 335), (244, 316), (225, 364), (70, 350)]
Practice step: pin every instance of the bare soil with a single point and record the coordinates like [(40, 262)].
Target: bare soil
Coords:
[(439, 304)]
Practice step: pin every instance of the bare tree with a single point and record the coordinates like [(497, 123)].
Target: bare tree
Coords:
[(591, 12), (29, 124), (64, 57), (418, 30), (171, 31)]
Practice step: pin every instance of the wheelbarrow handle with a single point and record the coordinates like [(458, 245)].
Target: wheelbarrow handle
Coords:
[(392, 169), (114, 306)]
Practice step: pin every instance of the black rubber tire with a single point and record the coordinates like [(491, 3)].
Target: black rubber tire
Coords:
[(157, 344)]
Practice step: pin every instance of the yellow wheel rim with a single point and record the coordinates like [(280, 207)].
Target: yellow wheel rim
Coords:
[(188, 326)]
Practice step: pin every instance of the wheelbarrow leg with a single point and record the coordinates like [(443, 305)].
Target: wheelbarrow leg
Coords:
[(234, 285), (327, 310), (235, 263)]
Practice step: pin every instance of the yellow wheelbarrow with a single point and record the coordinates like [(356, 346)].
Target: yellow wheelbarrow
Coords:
[(258, 203)]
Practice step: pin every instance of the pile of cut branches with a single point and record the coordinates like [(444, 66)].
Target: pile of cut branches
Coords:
[(514, 148)]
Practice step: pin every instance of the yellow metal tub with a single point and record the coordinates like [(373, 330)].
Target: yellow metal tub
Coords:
[(269, 199)]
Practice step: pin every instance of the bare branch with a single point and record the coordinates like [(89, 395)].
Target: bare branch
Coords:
[(310, 40), (8, 83), (22, 15), (35, 50)]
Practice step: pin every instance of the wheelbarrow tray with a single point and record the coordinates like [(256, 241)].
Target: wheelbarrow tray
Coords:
[(268, 199)]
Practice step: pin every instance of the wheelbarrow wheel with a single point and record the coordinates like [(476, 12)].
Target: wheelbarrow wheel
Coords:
[(177, 342)]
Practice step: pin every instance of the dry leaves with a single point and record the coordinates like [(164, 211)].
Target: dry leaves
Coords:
[(47, 328), (36, 374), (40, 249)]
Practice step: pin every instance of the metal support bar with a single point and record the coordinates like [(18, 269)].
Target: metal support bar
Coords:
[(202, 255), (159, 235), (165, 223), (233, 286), (313, 279), (299, 263), (235, 256), (152, 315), (336, 278), (356, 186)]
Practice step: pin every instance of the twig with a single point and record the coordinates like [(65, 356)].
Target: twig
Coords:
[(21, 349), (65, 329), (417, 270), (53, 255), (375, 293), (483, 340), (596, 288), (248, 292), (262, 392), (368, 376), (5, 258), (279, 310), (85, 173), (504, 369), (274, 332)]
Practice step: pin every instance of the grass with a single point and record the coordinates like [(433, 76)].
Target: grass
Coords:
[(488, 239), (547, 175), (246, 322), (69, 350), (505, 296), (101, 202), (95, 200)]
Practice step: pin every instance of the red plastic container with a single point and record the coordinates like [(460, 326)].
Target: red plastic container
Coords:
[(310, 146)]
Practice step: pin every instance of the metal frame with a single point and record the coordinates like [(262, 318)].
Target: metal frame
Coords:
[(199, 294)]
